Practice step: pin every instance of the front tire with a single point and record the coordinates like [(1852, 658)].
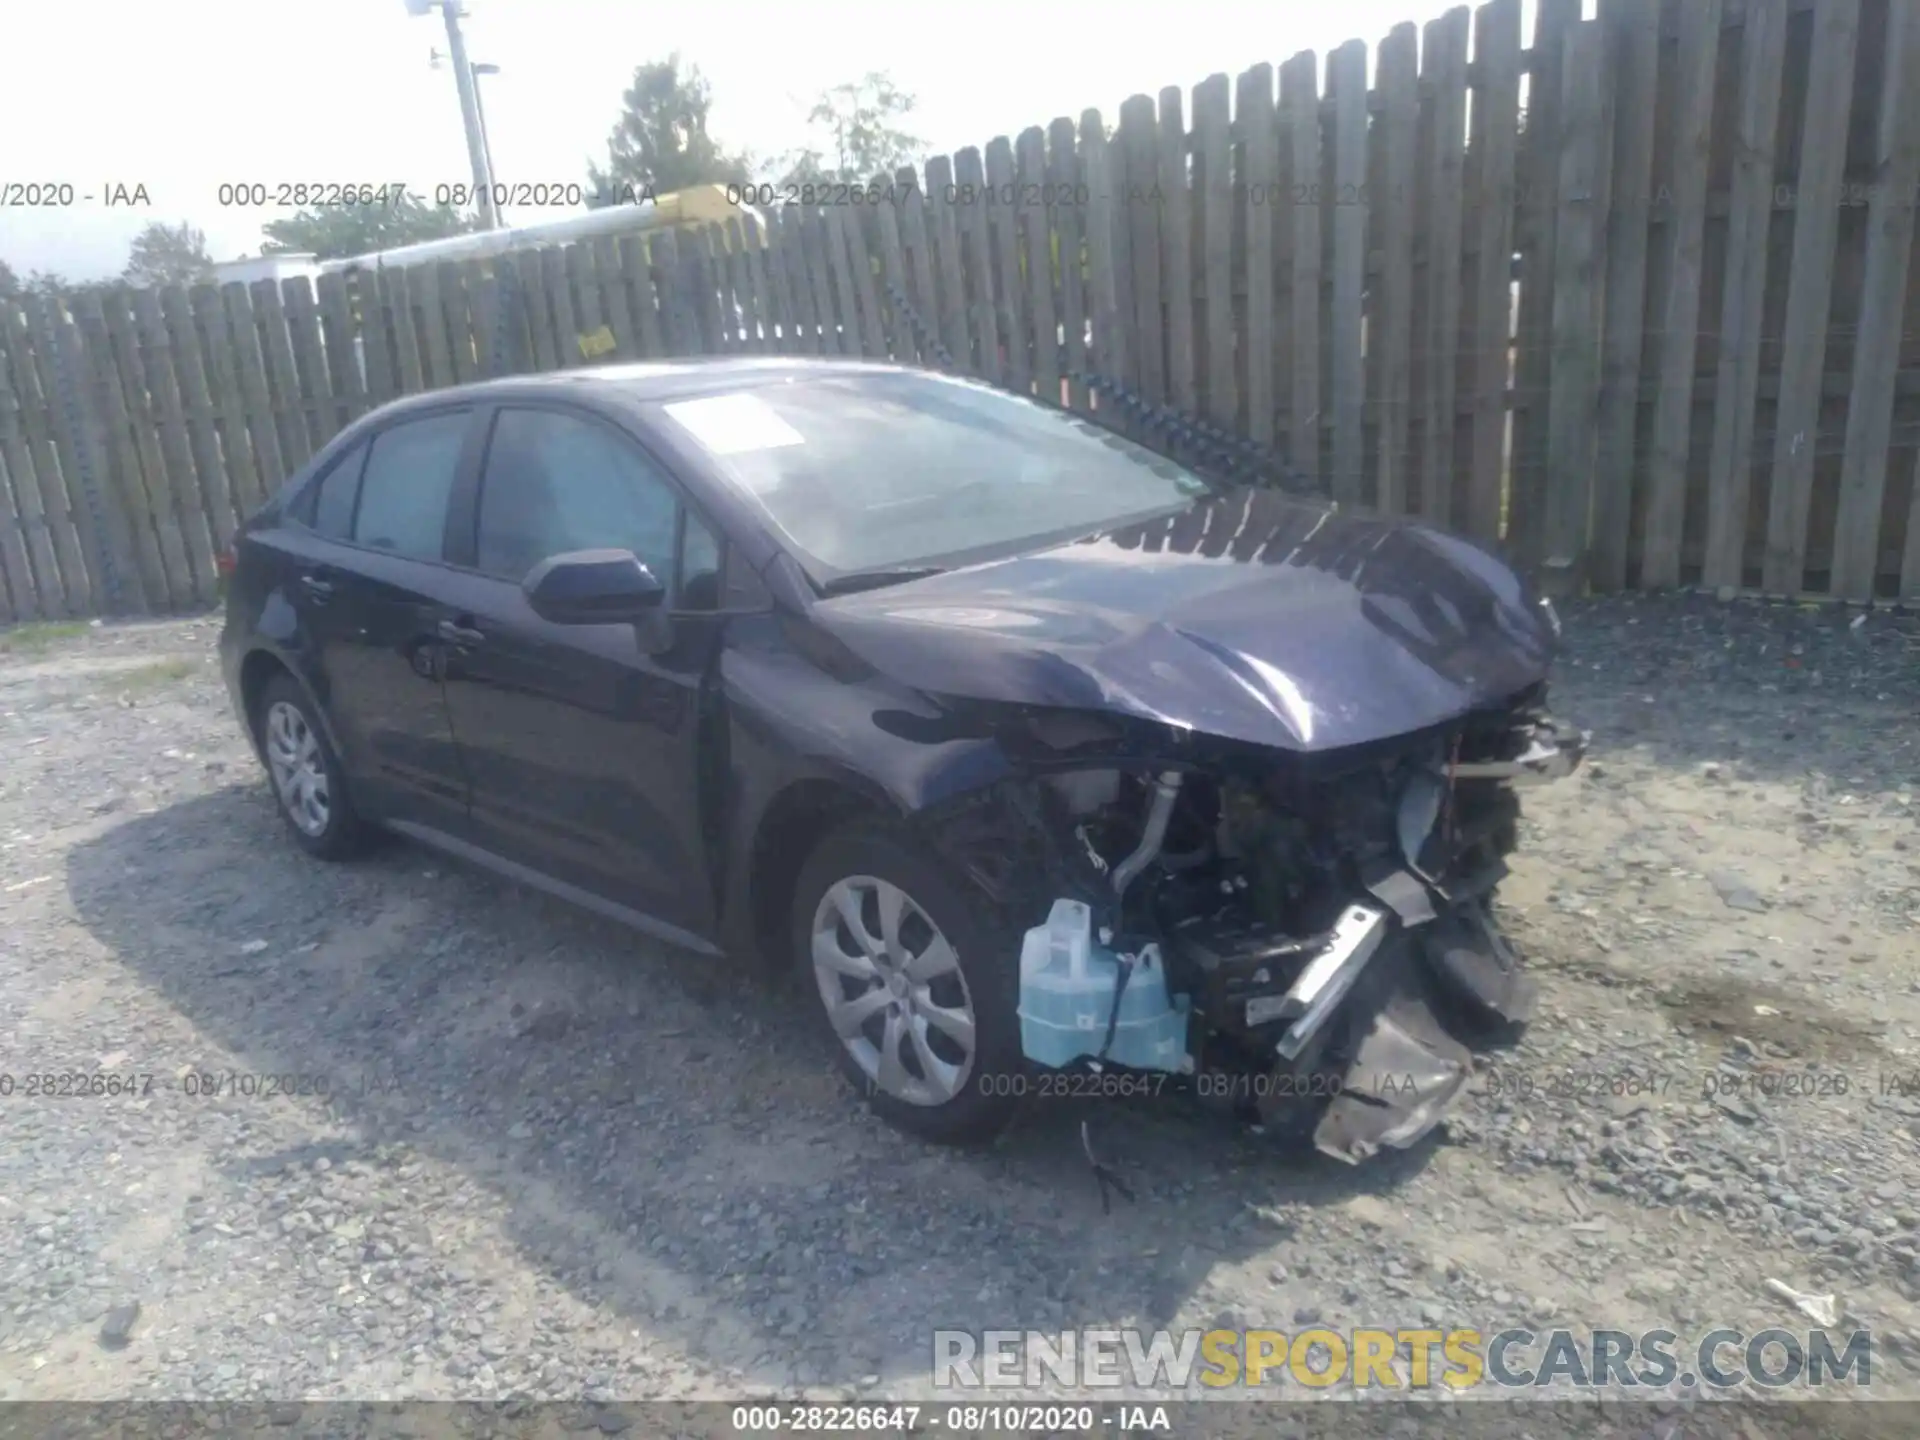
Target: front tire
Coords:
[(914, 982), (309, 788)]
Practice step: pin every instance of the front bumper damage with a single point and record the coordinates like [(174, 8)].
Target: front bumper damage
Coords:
[(1453, 971), (1404, 1060), (1365, 1030)]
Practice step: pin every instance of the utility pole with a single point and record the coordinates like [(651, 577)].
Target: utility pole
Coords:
[(469, 103), (486, 140)]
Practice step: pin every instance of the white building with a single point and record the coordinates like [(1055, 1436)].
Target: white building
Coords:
[(267, 267)]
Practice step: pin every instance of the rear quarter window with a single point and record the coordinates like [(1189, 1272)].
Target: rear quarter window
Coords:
[(406, 483), (327, 507)]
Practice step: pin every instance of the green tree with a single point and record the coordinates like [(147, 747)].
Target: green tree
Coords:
[(859, 125), (337, 232), (9, 282), (51, 286), (168, 255), (661, 139)]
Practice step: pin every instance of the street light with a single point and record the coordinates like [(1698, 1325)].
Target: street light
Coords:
[(451, 11)]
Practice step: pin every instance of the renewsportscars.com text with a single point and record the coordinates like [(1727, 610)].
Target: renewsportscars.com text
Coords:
[(1318, 1358)]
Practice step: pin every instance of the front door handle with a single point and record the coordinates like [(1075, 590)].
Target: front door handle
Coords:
[(454, 633), (320, 590)]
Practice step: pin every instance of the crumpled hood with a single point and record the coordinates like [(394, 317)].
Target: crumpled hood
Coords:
[(1252, 616)]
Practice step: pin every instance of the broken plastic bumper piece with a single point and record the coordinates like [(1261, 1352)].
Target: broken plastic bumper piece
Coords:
[(1405, 1076), (1409, 1068), (1466, 947), (1551, 751)]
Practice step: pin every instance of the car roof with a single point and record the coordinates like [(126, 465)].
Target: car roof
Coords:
[(649, 380)]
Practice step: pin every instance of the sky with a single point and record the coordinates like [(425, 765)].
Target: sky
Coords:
[(182, 97)]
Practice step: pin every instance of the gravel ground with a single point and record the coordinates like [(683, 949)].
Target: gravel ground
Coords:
[(559, 1161)]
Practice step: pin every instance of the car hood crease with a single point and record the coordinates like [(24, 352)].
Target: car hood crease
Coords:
[(1249, 616)]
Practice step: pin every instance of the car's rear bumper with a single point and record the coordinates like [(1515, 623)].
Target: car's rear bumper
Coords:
[(232, 666)]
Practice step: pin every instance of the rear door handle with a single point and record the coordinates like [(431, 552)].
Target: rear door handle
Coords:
[(454, 633), (321, 590)]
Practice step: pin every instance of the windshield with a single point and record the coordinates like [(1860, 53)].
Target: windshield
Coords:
[(887, 471)]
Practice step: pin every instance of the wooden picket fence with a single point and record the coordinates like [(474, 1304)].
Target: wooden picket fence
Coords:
[(1633, 302)]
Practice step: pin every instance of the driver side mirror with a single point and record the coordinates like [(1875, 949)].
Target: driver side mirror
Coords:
[(593, 587)]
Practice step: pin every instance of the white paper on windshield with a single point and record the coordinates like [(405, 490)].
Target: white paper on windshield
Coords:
[(735, 424)]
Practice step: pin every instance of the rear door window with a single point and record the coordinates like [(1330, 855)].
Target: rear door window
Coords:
[(404, 490)]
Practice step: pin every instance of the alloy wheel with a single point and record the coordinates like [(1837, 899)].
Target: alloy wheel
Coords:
[(299, 773), (893, 990)]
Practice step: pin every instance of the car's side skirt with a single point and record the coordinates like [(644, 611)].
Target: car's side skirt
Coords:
[(560, 889)]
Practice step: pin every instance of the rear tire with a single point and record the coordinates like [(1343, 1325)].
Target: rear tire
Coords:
[(913, 981), (309, 787)]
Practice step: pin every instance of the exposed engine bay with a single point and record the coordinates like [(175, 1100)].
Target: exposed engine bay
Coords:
[(1310, 945)]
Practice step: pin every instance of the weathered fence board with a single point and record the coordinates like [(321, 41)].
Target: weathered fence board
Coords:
[(255, 399), (1494, 150), (976, 246), (795, 289), (1538, 171), (844, 302), (19, 597), (1064, 214), (1213, 192), (215, 491), (1037, 257), (837, 331), (1104, 221), (1259, 199), (943, 236), (1300, 99), (536, 318), (456, 303), (560, 310), (1138, 209), (583, 285), (430, 321), (1876, 354), (128, 514), (918, 242), (1009, 304), (1171, 203), (1390, 324), (48, 530), (1634, 57), (338, 335), (1345, 200), (311, 396), (283, 385), (715, 279), (181, 494), (1574, 394), (1667, 461), (641, 296), (50, 465), (1742, 311), (1437, 342), (24, 548), (81, 435), (1816, 231), (865, 294)]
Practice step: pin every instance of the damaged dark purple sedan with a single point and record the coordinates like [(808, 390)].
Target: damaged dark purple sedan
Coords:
[(1029, 748)]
